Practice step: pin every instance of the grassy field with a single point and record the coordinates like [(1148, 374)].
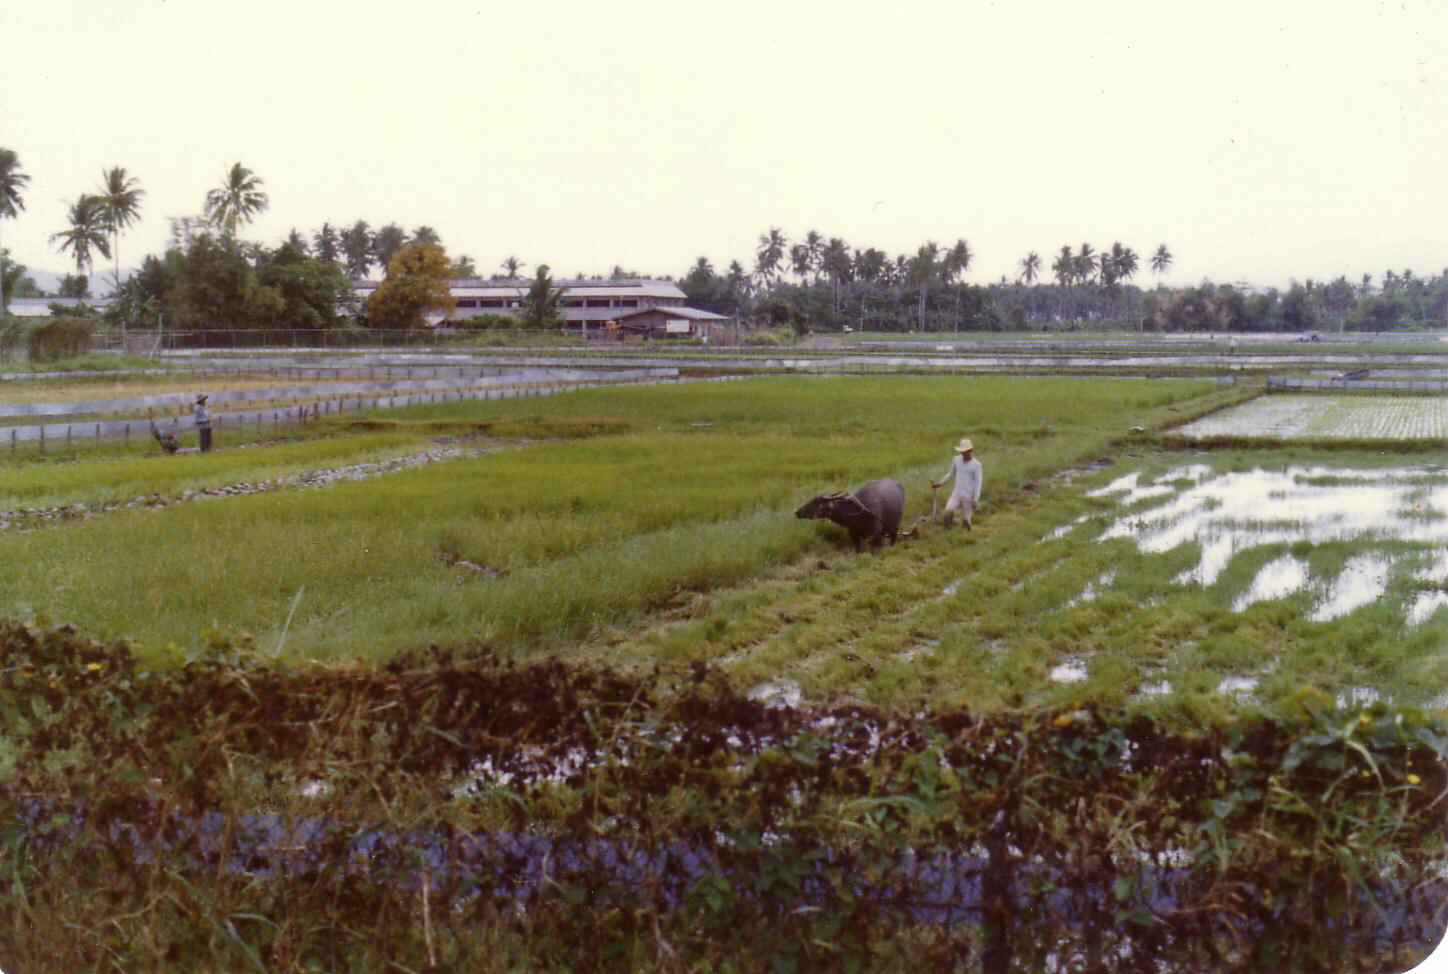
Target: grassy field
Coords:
[(625, 503)]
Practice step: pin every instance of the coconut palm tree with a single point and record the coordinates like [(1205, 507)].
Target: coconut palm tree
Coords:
[(356, 244), (386, 242), (1084, 263), (238, 199), (814, 245), (326, 244), (121, 202), (955, 263), (87, 231), (426, 235), (1064, 266), (1161, 260), (12, 180), (921, 271), (770, 253), (799, 261), (512, 265), (836, 261), (1030, 267)]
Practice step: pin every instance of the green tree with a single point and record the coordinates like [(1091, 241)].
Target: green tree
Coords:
[(540, 307), (74, 286), (315, 293), (297, 241), (87, 232), (416, 283), (770, 254), (326, 245), (1083, 265), (921, 272), (121, 203), (238, 200), (357, 248), (12, 181), (1063, 268), (1030, 267), (464, 268), (800, 261), (14, 281), (512, 265), (1161, 260), (426, 234), (386, 242), (836, 261)]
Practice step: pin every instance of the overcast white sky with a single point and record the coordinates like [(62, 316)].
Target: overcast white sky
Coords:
[(1260, 140)]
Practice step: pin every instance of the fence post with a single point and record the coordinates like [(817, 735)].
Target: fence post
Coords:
[(42, 441)]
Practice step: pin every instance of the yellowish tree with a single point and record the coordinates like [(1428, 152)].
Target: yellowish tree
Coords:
[(416, 283)]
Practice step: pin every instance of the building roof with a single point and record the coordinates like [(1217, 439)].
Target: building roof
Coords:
[(693, 314), (40, 307), (517, 288)]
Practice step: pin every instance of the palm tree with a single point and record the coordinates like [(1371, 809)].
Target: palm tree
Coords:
[(1030, 267), (835, 259), (326, 244), (356, 244), (799, 261), (1064, 266), (814, 245), (426, 235), (956, 262), (121, 201), (921, 271), (1161, 260), (1084, 263), (387, 241), (12, 180), (297, 242), (237, 200), (512, 265), (87, 230), (770, 253)]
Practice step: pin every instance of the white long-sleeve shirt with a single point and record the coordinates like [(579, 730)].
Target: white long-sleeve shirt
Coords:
[(203, 416), (967, 478)]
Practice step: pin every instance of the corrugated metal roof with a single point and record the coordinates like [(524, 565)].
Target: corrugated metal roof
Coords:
[(481, 288), (678, 312)]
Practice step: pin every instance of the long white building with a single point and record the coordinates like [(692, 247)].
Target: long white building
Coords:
[(582, 303)]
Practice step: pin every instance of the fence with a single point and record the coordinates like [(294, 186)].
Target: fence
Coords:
[(1356, 382), (51, 436)]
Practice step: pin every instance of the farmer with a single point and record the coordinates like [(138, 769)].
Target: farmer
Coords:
[(966, 493), (203, 422)]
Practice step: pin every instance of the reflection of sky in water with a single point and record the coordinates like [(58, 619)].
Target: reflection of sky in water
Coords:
[(1229, 513)]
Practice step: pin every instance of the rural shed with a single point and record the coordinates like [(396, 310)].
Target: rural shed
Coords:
[(675, 322)]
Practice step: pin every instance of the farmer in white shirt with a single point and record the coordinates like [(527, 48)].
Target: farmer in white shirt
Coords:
[(966, 494), (203, 422)]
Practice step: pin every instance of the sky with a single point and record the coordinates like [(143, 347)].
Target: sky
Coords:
[(1262, 142)]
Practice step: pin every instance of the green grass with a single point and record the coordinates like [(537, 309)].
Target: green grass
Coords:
[(691, 492)]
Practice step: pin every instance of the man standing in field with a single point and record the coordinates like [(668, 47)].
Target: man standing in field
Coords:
[(966, 494), (203, 422)]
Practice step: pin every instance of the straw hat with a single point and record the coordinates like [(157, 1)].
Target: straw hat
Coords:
[(964, 446), (201, 398)]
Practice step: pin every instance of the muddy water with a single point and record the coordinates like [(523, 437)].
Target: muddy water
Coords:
[(1229, 514)]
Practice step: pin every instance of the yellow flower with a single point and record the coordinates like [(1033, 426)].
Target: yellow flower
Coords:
[(1364, 719), (93, 666), (1414, 780), (1065, 720)]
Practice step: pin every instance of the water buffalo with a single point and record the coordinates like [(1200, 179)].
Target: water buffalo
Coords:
[(872, 511)]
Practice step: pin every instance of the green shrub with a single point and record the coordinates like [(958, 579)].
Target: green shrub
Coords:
[(58, 338)]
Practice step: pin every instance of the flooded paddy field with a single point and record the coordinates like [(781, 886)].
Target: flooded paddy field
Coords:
[(1343, 416)]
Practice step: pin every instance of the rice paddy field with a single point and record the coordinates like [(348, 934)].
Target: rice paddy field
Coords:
[(563, 683), (1407, 417), (653, 527)]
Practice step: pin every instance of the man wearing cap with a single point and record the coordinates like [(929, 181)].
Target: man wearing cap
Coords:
[(966, 494), (203, 422)]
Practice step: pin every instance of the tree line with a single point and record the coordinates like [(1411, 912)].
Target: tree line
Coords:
[(208, 278)]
